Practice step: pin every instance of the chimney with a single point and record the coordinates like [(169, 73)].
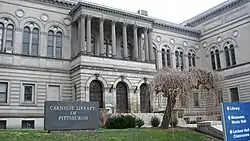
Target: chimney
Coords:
[(142, 12)]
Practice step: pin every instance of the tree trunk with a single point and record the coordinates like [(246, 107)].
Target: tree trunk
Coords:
[(168, 112)]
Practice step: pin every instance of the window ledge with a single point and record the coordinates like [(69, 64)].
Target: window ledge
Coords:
[(28, 105), (4, 104)]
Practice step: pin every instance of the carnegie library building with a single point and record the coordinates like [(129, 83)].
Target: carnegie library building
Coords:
[(62, 50)]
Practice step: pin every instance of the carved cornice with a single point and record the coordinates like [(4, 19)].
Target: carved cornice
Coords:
[(99, 68), (109, 10), (62, 3), (218, 10), (178, 29)]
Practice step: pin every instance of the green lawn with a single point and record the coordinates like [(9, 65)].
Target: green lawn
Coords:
[(106, 135)]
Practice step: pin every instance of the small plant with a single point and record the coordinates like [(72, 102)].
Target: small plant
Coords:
[(139, 122), (155, 121), (121, 122), (174, 122)]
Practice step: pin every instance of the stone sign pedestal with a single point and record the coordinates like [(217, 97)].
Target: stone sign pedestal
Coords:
[(67, 115)]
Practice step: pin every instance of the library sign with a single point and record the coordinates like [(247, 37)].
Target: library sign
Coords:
[(236, 121), (64, 115)]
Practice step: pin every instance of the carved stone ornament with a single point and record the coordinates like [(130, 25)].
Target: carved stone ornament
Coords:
[(197, 46), (219, 39), (19, 13), (185, 44), (172, 41), (44, 17), (235, 33), (67, 21), (158, 38), (204, 44)]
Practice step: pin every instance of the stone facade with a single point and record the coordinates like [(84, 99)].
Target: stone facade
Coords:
[(79, 51)]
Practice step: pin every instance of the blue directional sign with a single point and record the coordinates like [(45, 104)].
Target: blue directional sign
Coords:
[(236, 121)]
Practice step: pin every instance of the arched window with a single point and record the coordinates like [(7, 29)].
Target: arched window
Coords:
[(26, 40), (54, 45), (166, 57), (9, 35), (1, 35), (30, 39), (215, 58), (163, 58), (179, 56), (6, 35), (191, 59), (93, 45), (58, 45), (229, 54), (155, 56)]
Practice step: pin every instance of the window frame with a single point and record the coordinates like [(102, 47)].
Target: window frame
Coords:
[(8, 93), (56, 85), (216, 59), (198, 100), (6, 22), (229, 48), (54, 46), (22, 124), (34, 94), (229, 93)]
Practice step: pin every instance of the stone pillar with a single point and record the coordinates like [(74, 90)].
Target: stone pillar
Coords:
[(101, 37), (89, 35), (150, 46), (113, 39), (136, 56), (125, 42), (146, 44), (82, 37)]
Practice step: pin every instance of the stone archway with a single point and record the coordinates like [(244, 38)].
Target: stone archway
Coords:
[(96, 92), (145, 103), (121, 98)]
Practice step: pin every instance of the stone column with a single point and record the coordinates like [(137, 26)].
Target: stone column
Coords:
[(125, 42), (146, 44), (136, 56), (82, 37), (150, 46), (113, 39), (101, 37), (89, 35)]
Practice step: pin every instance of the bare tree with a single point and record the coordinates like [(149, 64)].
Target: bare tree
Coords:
[(173, 83)]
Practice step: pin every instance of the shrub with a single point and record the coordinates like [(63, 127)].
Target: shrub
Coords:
[(155, 121), (173, 122), (121, 122), (139, 122)]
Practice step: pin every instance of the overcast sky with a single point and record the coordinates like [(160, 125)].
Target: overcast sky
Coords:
[(176, 11)]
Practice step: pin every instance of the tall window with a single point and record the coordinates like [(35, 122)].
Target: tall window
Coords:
[(6, 35), (179, 56), (215, 58), (129, 50), (93, 46), (155, 56), (229, 54), (3, 92), (234, 94), (30, 39), (54, 45), (196, 100), (191, 59), (28, 93), (219, 97), (107, 48), (166, 57)]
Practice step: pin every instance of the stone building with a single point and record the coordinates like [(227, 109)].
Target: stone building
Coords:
[(79, 51)]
